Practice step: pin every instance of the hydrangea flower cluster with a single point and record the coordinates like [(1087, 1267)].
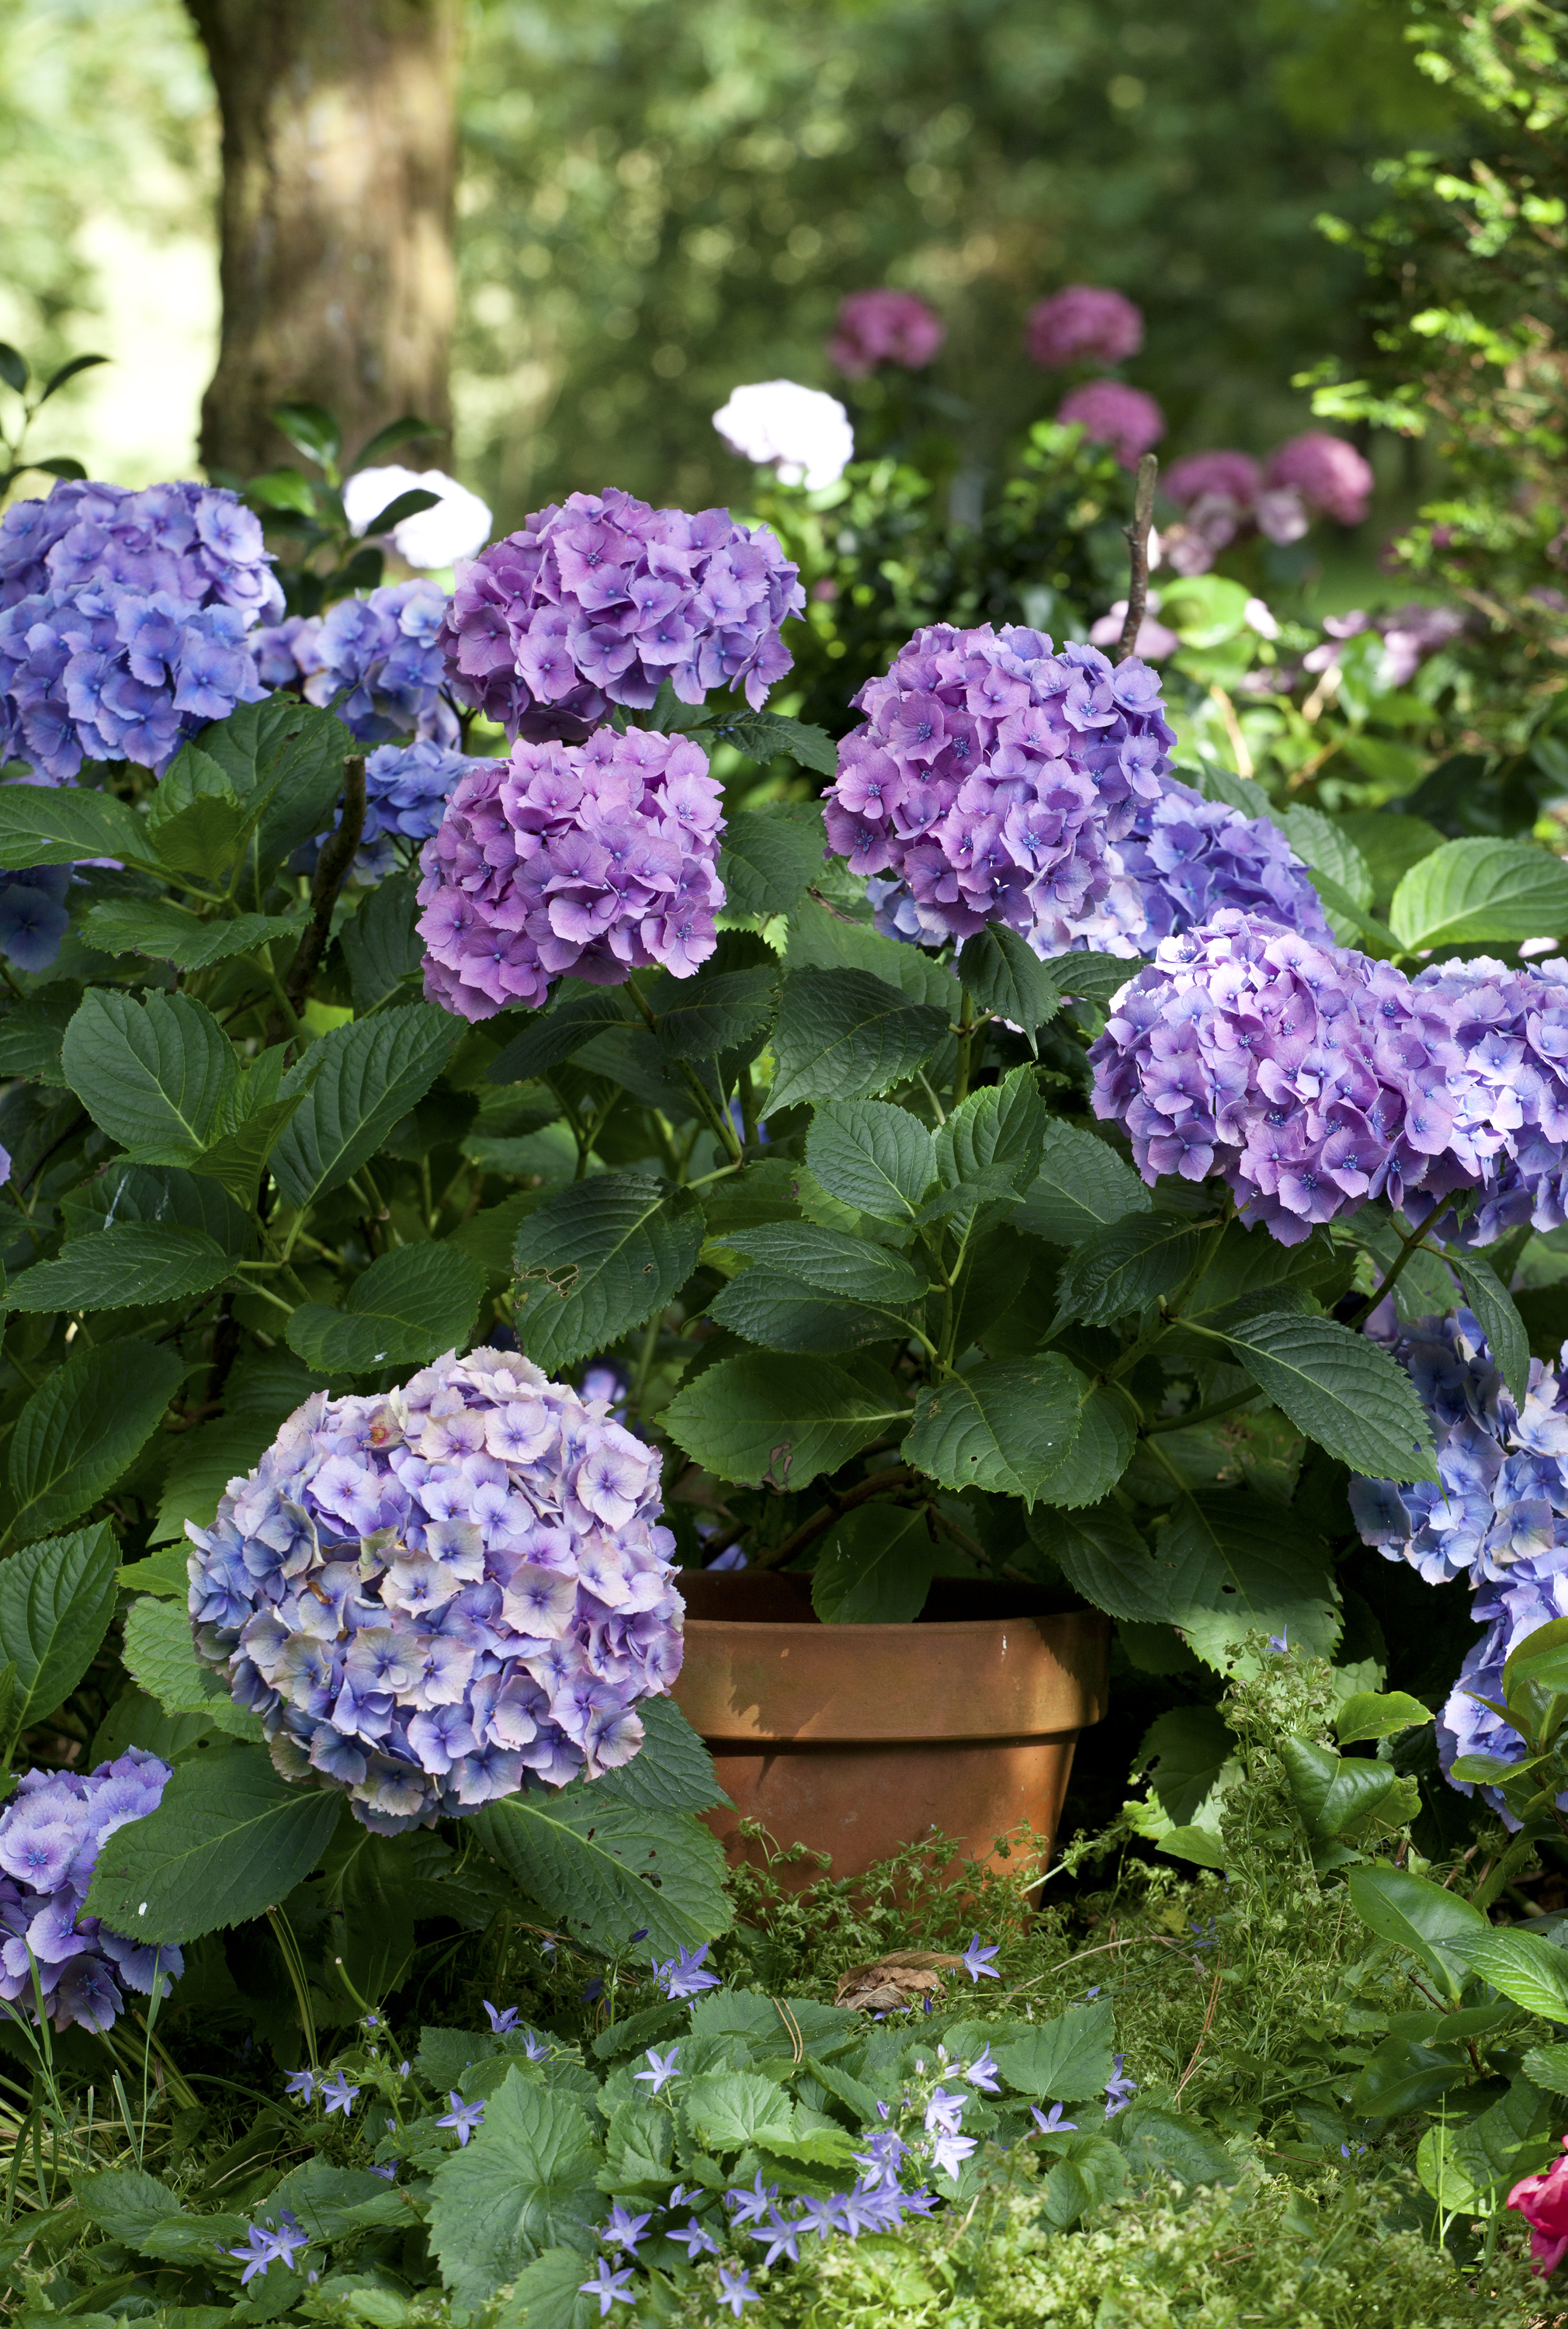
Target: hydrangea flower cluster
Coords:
[(407, 788), (1327, 472), (384, 649), (1125, 419), (1409, 635), (803, 435), (125, 622), (883, 326), (1083, 324), (51, 1834), (600, 599), (1223, 493), (1183, 860), (993, 776), (598, 859), (1314, 1078), (1500, 1517), (443, 1594)]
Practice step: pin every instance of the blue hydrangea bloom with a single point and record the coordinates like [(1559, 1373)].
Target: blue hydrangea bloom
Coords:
[(407, 788), (125, 622), (1499, 1517), (445, 1593), (383, 649), (50, 1834)]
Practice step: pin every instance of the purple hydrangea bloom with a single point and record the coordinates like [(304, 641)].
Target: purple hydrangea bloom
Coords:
[(443, 1594), (384, 649), (50, 1834), (1314, 1078), (992, 776), (600, 599), (125, 621), (1182, 860), (598, 859)]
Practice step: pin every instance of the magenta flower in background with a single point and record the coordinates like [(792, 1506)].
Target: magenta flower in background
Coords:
[(51, 1834), (1114, 414), (599, 859), (1329, 474), (600, 599), (992, 776), (442, 1594), (885, 327), (1083, 324), (1236, 476)]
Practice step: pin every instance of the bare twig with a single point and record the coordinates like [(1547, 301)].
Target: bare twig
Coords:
[(880, 1484), (332, 867), (1138, 552)]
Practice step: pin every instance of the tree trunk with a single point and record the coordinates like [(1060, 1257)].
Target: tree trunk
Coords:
[(337, 273)]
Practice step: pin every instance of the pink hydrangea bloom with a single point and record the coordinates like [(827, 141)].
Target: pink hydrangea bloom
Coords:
[(1120, 417), (1543, 2201), (1083, 324), (1329, 474), (597, 859), (885, 327), (1235, 476)]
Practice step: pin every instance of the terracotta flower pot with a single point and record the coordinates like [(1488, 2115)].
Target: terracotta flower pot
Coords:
[(856, 1740)]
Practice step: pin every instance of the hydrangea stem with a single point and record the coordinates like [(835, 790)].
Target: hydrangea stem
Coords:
[(715, 1118), (1138, 552), (1391, 1278)]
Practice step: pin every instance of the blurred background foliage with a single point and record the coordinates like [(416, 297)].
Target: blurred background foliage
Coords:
[(661, 198)]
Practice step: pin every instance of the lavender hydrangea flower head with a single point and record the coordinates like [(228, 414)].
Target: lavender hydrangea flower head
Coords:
[(125, 621), (600, 599), (1123, 418), (51, 1834), (1084, 322), (384, 649), (1314, 1078), (599, 859), (1235, 476), (445, 1593), (991, 776)]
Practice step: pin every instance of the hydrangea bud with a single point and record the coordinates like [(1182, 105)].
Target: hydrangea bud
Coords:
[(883, 326), (991, 776), (125, 622), (383, 649), (1328, 475), (1123, 418), (445, 1593), (1083, 324), (601, 599), (598, 859), (51, 1834)]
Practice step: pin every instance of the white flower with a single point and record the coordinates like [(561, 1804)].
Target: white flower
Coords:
[(1258, 617), (802, 430), (457, 527)]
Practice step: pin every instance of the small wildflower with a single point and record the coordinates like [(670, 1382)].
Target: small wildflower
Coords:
[(949, 2152), (502, 2023), (609, 2287), (944, 2111), (983, 2073), (750, 2206), (259, 2250), (1120, 2090), (694, 2239), (782, 2237), (289, 2239), (624, 2231), (340, 2095), (976, 1961), (532, 2047), (1280, 1643), (302, 2085), (664, 2069), (462, 2118), (1056, 2124), (683, 1976), (734, 2289), (388, 2174)]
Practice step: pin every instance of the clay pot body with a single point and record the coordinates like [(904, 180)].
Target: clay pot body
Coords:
[(857, 1739)]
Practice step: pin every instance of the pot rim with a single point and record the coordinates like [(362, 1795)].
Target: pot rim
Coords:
[(921, 1631)]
